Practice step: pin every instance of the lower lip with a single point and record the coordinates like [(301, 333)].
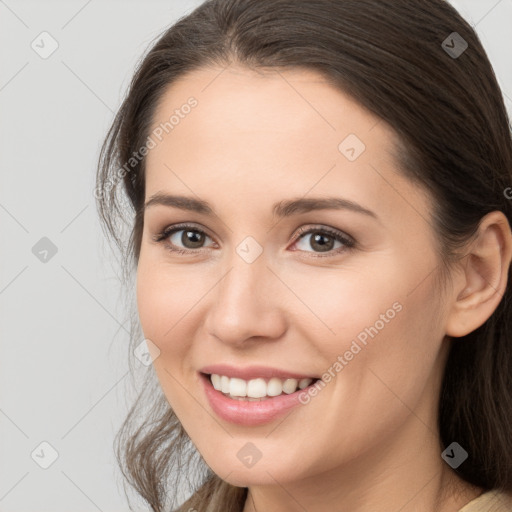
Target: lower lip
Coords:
[(249, 413)]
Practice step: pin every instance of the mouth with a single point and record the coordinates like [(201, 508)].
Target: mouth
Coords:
[(263, 401), (259, 388)]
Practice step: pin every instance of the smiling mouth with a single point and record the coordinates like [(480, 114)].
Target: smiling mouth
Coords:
[(257, 389)]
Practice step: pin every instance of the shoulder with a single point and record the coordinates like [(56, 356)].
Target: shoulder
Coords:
[(490, 501)]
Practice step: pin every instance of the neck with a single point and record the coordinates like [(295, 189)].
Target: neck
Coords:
[(392, 477)]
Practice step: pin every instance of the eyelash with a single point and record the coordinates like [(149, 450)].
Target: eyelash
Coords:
[(348, 242)]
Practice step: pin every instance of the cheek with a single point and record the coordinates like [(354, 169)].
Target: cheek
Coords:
[(166, 305), (396, 336), (370, 318), (165, 298), (342, 304), (152, 292)]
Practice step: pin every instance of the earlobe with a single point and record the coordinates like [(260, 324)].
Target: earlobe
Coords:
[(479, 287)]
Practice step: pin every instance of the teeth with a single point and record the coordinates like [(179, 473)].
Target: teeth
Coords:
[(224, 384), (290, 385), (215, 381), (237, 387), (274, 387), (256, 389), (304, 383)]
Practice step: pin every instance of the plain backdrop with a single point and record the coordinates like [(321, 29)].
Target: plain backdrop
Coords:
[(63, 352)]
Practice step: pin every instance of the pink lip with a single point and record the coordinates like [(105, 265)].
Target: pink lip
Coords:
[(253, 372), (248, 413)]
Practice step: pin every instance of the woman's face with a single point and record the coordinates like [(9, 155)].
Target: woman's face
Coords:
[(338, 285)]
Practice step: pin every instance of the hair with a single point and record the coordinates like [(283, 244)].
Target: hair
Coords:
[(453, 139)]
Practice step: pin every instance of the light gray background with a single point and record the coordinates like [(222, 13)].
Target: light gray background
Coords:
[(63, 353)]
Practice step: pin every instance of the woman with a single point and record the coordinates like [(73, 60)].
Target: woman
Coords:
[(321, 241)]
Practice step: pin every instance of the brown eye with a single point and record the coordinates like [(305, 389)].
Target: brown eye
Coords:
[(323, 240), (191, 239), (183, 238)]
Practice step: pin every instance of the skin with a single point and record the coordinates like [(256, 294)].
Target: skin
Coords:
[(368, 441)]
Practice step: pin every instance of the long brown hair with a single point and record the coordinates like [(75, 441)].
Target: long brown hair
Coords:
[(454, 134)]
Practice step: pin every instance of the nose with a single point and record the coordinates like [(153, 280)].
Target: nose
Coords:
[(246, 305)]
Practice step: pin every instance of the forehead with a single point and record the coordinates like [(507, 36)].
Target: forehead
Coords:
[(248, 101), (275, 131)]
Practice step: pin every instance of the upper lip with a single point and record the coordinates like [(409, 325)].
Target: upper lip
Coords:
[(253, 372)]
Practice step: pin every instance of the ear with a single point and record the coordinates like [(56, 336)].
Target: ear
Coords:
[(480, 285)]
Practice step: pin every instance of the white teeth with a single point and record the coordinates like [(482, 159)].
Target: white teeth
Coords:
[(274, 387), (215, 381), (256, 389), (304, 383), (237, 387), (290, 386), (224, 384)]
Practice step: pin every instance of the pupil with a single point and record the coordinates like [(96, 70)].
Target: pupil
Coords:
[(319, 239), (192, 239)]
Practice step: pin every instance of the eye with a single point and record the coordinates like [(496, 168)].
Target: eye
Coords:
[(323, 240), (189, 239), (183, 238)]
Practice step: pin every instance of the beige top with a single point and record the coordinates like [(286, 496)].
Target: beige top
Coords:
[(491, 501)]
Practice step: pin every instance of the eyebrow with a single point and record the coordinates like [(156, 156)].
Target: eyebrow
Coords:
[(281, 209)]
